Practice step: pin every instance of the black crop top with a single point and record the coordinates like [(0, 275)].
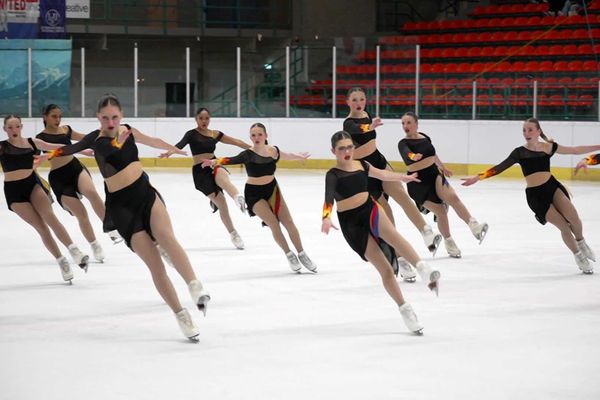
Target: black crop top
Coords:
[(530, 161), (111, 156), (358, 128), (200, 143), (256, 165), (13, 158), (61, 138), (409, 147), (341, 185)]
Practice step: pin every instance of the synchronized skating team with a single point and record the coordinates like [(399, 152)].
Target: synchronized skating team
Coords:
[(360, 183)]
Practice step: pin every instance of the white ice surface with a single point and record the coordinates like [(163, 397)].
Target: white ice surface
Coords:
[(515, 318)]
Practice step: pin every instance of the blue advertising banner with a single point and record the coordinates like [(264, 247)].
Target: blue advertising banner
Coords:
[(19, 19), (52, 19), (51, 75)]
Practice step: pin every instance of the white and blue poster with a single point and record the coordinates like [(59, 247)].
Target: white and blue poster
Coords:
[(50, 69), (52, 19)]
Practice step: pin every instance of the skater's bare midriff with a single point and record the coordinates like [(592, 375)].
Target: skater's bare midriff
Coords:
[(198, 158), (260, 180), (125, 177), (365, 150), (352, 202), (58, 162), (537, 178), (421, 164), (17, 175)]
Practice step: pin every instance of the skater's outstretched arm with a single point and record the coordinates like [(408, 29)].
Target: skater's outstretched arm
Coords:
[(512, 159), (235, 142), (577, 149), (152, 141), (386, 175), (85, 143)]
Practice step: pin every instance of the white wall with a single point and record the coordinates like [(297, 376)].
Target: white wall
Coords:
[(456, 141)]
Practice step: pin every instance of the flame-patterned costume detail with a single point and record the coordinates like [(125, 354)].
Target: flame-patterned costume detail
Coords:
[(412, 156), (487, 173), (222, 161), (594, 159), (55, 153), (275, 201), (364, 128), (374, 221), (327, 208)]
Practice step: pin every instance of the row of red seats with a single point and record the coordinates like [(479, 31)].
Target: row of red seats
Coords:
[(511, 36), (508, 81), (486, 51), (476, 67), (509, 9), (551, 81), (494, 23), (482, 100), (520, 9)]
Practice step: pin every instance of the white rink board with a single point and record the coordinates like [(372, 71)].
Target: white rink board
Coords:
[(460, 141)]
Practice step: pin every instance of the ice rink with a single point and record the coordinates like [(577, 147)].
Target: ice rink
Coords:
[(515, 318)]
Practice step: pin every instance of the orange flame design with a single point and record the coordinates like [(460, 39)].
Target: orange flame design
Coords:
[(327, 207)]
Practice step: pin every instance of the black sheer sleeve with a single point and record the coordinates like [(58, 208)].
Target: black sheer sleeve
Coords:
[(511, 160), (242, 158), (86, 143), (330, 183), (184, 141)]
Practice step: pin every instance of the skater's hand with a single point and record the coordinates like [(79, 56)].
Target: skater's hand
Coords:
[(581, 164), (87, 152), (37, 160), (470, 181), (327, 225), (166, 154), (409, 178), (208, 163), (446, 172), (376, 122), (417, 157)]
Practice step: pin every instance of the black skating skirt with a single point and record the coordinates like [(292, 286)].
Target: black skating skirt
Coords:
[(20, 191), (269, 192), (204, 181), (130, 208), (539, 198), (361, 222), (64, 181), (378, 160), (425, 190)]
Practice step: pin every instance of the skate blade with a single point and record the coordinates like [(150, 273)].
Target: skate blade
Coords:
[(419, 332), (590, 272), (483, 233), (194, 339), (455, 255), (203, 303), (412, 279), (436, 243), (69, 281)]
